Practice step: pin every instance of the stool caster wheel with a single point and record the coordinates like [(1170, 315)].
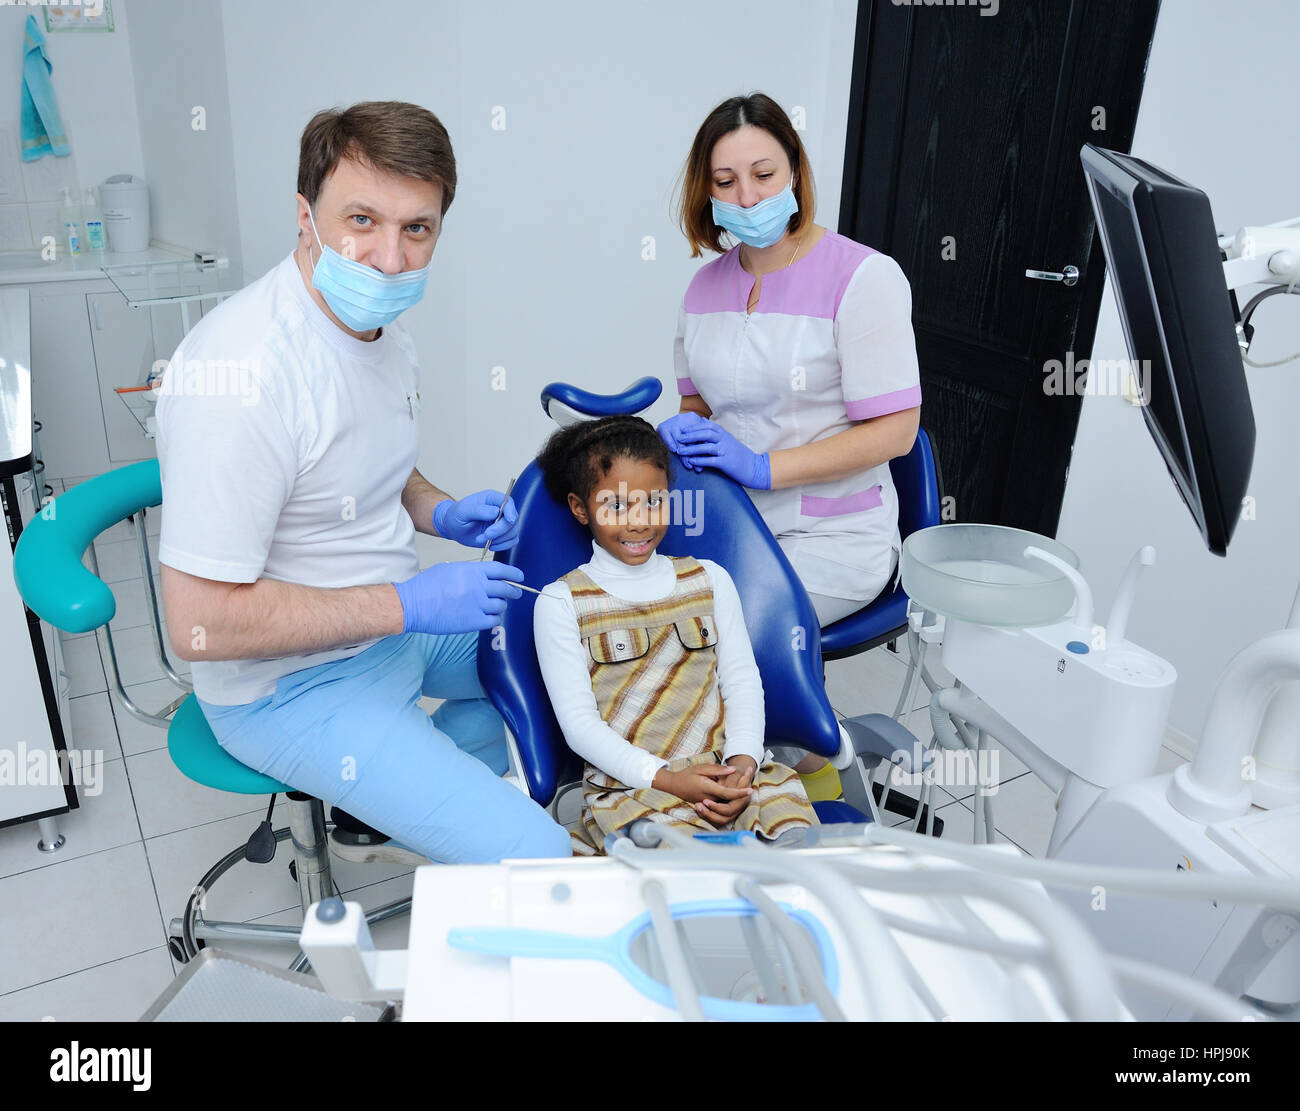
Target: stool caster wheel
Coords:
[(176, 947), (293, 870)]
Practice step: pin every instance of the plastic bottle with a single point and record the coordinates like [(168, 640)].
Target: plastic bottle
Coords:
[(93, 221), (70, 218)]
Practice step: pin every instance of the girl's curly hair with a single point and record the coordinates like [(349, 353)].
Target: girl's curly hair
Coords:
[(576, 458)]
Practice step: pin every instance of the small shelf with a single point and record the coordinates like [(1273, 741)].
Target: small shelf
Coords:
[(141, 402), (169, 282)]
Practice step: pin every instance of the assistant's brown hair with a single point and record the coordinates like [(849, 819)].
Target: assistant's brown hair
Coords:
[(391, 136), (695, 214)]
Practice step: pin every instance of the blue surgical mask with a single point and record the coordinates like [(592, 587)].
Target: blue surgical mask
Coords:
[(763, 224), (360, 296)]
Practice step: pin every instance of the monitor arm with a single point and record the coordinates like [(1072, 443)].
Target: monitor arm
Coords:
[(1267, 254)]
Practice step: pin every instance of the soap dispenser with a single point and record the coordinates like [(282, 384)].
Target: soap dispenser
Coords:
[(93, 221), (70, 218)]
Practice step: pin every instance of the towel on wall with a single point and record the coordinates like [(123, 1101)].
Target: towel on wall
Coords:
[(42, 126)]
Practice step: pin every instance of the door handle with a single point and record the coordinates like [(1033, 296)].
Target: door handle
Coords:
[(1069, 275)]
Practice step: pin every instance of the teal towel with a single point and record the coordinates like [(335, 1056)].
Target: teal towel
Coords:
[(42, 126)]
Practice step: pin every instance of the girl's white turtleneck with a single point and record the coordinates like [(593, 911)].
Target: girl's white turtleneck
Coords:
[(563, 660)]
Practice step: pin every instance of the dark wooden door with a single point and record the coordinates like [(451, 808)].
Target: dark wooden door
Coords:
[(962, 162)]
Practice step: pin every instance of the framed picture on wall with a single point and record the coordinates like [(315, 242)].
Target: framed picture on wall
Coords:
[(92, 15)]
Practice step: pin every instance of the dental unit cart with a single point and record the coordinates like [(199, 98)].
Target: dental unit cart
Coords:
[(1085, 709), (1081, 704)]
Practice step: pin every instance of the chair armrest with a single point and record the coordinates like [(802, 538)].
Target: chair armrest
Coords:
[(878, 736), (48, 571)]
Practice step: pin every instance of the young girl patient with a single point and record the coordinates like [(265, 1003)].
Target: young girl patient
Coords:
[(646, 658)]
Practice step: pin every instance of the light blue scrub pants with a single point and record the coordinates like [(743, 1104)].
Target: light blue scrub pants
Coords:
[(352, 733)]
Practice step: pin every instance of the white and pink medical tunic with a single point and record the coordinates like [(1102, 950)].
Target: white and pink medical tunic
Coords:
[(830, 343)]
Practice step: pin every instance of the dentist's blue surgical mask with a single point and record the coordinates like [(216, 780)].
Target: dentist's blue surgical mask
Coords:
[(763, 224), (361, 296)]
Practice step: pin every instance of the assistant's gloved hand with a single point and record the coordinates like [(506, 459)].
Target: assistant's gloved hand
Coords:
[(669, 430), (457, 597), (702, 443), (466, 520)]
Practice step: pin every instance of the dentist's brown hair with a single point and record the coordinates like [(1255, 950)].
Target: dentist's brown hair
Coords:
[(390, 136)]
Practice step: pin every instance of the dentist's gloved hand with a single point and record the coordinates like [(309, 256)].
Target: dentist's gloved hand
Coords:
[(466, 521), (457, 597), (702, 443)]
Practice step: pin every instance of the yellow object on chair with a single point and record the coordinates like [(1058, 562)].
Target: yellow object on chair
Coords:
[(823, 785)]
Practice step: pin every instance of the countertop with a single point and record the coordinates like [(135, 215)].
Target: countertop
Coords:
[(26, 267)]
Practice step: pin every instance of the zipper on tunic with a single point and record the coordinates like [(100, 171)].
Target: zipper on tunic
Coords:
[(735, 370)]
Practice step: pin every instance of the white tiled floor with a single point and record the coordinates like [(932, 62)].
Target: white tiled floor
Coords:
[(83, 933)]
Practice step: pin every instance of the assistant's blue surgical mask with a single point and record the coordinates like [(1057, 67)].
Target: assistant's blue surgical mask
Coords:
[(361, 296), (761, 225)]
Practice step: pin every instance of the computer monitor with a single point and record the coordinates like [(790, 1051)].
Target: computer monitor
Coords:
[(1180, 323)]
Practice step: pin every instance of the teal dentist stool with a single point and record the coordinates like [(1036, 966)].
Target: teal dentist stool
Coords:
[(56, 586)]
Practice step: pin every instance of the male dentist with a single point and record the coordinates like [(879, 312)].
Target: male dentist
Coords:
[(289, 569)]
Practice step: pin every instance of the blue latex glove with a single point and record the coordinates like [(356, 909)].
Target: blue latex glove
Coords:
[(466, 521), (706, 444), (672, 427), (458, 597)]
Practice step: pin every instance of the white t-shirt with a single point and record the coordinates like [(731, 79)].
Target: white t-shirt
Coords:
[(563, 660), (284, 445)]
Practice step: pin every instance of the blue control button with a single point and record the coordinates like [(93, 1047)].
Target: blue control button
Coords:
[(1078, 647), (331, 909)]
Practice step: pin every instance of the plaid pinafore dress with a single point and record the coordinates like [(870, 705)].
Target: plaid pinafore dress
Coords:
[(653, 670)]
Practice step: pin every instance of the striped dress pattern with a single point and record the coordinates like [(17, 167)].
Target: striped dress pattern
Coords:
[(653, 669)]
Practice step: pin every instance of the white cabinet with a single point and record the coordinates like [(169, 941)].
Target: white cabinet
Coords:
[(65, 385), (28, 740), (87, 341), (31, 495)]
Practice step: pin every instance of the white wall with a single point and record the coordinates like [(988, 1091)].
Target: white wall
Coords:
[(179, 65), (93, 87), (1221, 115), (600, 113)]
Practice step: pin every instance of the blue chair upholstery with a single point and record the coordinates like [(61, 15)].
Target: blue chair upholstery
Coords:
[(916, 480), (781, 622)]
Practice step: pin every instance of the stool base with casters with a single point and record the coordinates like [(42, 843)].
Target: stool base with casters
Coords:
[(195, 751)]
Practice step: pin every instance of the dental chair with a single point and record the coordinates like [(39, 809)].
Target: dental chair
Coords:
[(58, 587), (919, 487), (917, 484), (780, 619)]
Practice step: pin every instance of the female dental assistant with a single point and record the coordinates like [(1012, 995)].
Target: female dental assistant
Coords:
[(290, 576), (794, 357)]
